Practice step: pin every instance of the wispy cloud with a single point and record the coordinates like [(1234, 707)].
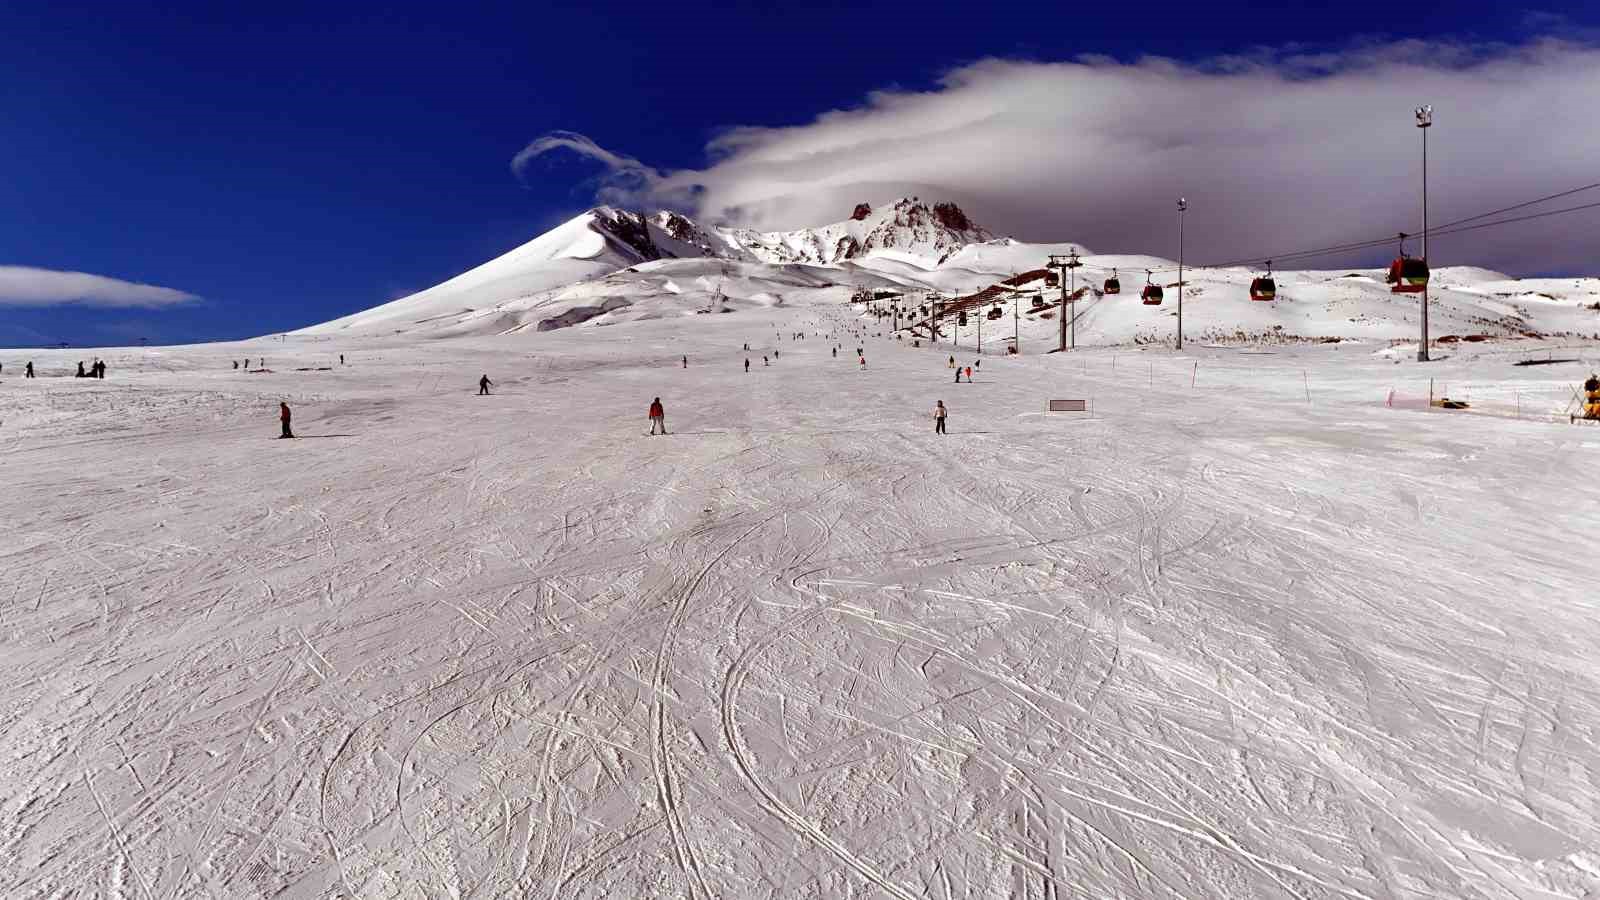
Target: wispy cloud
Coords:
[(1276, 149), (26, 286)]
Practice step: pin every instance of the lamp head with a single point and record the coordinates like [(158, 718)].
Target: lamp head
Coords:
[(1424, 116), (1183, 204)]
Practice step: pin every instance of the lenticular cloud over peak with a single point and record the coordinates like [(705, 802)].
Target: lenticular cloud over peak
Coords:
[(1276, 151)]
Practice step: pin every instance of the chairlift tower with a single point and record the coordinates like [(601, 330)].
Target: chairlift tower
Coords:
[(1424, 116), (1070, 263), (1183, 207)]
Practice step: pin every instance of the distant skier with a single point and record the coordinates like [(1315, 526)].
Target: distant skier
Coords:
[(686, 362), (977, 364), (341, 359), (27, 371), (951, 364), (236, 365), (247, 363), (100, 368), (658, 416), (958, 376), (776, 354), (863, 361), (969, 374), (747, 366), (938, 418), (836, 353), (764, 361), (283, 418), (483, 385)]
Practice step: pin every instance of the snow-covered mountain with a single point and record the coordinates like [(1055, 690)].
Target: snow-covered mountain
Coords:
[(605, 240)]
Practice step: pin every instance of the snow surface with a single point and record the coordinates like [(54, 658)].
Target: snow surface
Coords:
[(1262, 625)]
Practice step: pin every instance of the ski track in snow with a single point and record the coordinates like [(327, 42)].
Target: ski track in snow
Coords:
[(1213, 641)]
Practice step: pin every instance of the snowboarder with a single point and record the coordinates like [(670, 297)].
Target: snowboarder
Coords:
[(283, 418), (658, 416), (27, 371), (938, 418), (483, 385)]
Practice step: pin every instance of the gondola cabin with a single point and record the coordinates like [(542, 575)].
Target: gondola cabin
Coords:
[(995, 312), (1263, 288), (1038, 302), (1112, 285), (1408, 275), (1152, 295)]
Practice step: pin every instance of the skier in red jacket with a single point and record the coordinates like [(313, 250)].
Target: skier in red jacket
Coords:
[(658, 416), (283, 417)]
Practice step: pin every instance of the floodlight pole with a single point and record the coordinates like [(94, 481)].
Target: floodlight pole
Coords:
[(1424, 122), (1183, 207)]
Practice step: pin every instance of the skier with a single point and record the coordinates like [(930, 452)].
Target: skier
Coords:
[(283, 417), (236, 365), (776, 354), (747, 366), (483, 385), (977, 364), (764, 361), (341, 359), (658, 416), (863, 361), (686, 362), (247, 363), (969, 374), (27, 371), (938, 418), (836, 353), (958, 376)]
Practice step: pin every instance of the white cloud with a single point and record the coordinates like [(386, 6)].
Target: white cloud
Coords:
[(25, 286), (1276, 150)]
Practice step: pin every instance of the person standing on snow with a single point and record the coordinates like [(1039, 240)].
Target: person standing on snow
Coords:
[(27, 371), (969, 374), (686, 362), (958, 376), (836, 353), (951, 364), (938, 418), (483, 385), (283, 418), (747, 366), (764, 361), (658, 416)]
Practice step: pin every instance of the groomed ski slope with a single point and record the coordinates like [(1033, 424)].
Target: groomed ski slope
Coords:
[(1213, 641)]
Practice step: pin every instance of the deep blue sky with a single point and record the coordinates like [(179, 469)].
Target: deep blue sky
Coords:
[(292, 162)]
